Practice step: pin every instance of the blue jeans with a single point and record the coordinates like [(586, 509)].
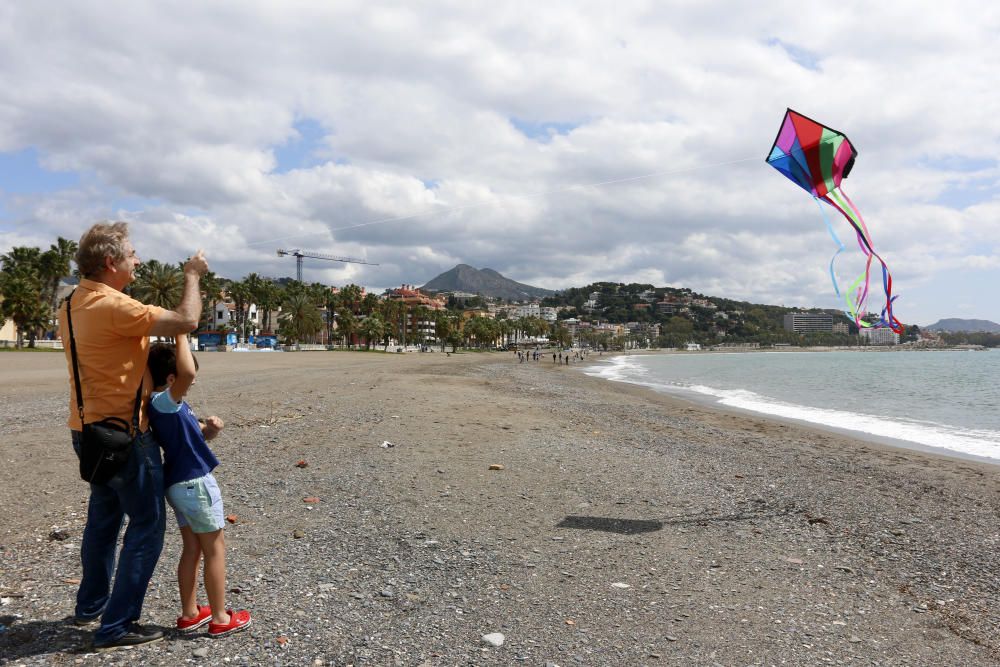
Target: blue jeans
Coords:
[(135, 492)]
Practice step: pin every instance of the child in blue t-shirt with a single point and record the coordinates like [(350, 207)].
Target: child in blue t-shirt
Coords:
[(191, 489)]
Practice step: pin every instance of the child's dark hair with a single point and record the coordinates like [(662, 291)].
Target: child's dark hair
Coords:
[(163, 362)]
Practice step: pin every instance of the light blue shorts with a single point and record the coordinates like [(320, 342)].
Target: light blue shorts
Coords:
[(198, 504)]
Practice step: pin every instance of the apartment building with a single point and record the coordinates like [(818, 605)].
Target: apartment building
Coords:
[(805, 323)]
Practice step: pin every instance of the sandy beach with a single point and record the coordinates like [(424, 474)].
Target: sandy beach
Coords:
[(625, 527)]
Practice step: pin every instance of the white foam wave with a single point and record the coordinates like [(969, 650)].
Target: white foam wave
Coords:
[(975, 442), (618, 369)]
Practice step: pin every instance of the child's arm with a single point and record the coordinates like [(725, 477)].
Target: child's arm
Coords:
[(185, 369)]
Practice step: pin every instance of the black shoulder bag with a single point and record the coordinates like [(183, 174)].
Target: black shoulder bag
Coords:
[(105, 446)]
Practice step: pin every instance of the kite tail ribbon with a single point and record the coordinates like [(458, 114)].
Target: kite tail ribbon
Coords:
[(838, 199), (851, 308)]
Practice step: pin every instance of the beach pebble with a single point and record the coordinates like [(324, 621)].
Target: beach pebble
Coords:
[(200, 652), (621, 585), (494, 639), (496, 466)]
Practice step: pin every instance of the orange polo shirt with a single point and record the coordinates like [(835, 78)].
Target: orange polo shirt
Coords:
[(112, 347)]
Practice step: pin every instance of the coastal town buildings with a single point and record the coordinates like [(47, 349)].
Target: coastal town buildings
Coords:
[(419, 308)]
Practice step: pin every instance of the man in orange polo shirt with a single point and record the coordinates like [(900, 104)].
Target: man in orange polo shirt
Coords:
[(112, 333)]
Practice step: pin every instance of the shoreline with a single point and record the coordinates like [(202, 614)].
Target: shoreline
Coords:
[(626, 526), (713, 403)]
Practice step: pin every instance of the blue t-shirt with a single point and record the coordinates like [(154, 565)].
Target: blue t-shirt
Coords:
[(186, 455)]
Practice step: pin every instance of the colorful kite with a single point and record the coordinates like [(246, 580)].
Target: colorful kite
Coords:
[(817, 158)]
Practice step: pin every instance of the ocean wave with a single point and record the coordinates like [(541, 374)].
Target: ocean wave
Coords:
[(974, 442)]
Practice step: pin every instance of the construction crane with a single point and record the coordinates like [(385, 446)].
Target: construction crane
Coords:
[(299, 254)]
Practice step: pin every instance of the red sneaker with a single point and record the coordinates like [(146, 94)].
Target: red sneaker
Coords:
[(238, 620), (189, 624)]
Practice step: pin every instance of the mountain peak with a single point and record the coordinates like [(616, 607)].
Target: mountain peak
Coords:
[(487, 282), (954, 324)]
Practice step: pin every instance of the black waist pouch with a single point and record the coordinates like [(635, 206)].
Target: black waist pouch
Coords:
[(105, 447)]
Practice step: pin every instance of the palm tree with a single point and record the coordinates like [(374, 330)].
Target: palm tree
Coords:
[(392, 313), (369, 304), (350, 297), (254, 286), (239, 292), (22, 292), (318, 293), (211, 291), (419, 314), (267, 297), (158, 284), (331, 302), (299, 318), (22, 303), (561, 336), (444, 325), (403, 323), (372, 329), (347, 323), (55, 264), (21, 258), (482, 330)]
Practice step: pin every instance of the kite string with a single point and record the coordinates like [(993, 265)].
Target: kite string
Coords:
[(530, 195)]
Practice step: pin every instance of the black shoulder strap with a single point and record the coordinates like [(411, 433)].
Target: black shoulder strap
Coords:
[(72, 350), (76, 372)]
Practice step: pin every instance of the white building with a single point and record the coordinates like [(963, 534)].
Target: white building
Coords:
[(224, 316), (879, 336), (528, 310)]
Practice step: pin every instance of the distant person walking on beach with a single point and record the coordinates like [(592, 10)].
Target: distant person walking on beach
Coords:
[(192, 490), (111, 333)]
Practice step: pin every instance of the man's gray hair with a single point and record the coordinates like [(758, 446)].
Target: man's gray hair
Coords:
[(105, 239)]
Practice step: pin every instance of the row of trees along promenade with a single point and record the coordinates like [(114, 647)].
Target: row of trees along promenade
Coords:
[(31, 283)]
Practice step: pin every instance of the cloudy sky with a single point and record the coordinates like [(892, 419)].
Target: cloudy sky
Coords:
[(559, 143)]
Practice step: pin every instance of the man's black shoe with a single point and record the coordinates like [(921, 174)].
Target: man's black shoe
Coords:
[(136, 636)]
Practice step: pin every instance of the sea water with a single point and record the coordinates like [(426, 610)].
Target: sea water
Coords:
[(945, 400)]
